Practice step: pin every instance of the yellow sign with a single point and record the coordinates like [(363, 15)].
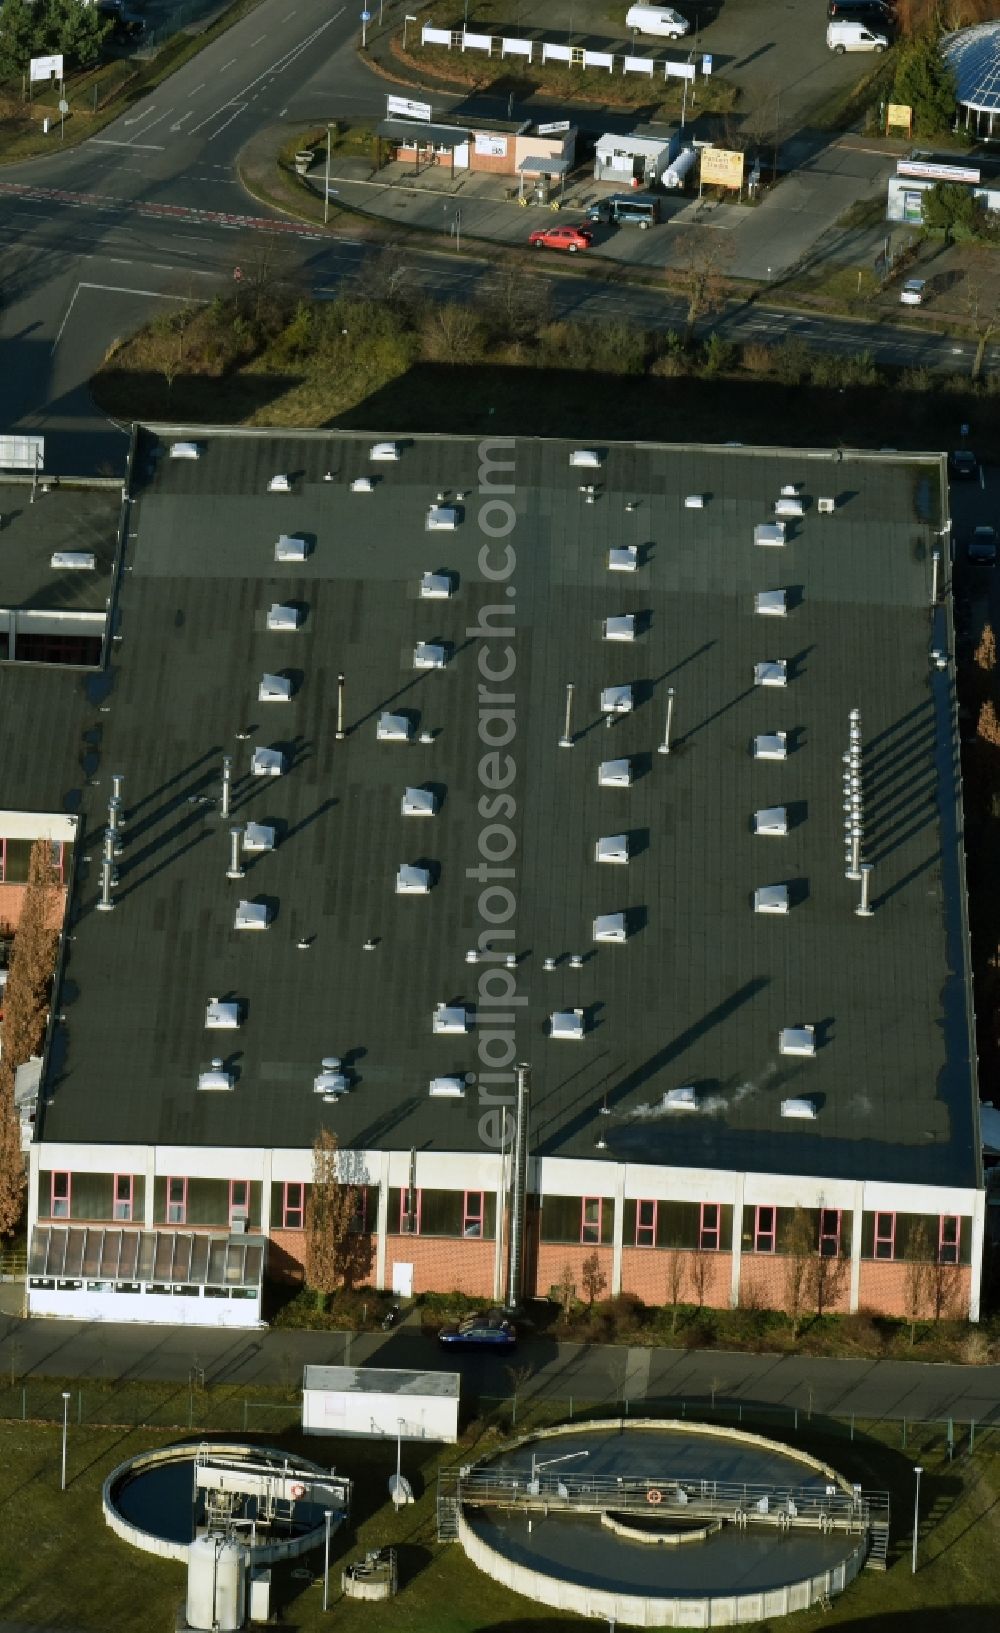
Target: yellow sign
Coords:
[(721, 167), (899, 115)]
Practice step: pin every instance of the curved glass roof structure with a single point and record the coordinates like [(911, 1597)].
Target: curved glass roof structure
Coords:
[(974, 54)]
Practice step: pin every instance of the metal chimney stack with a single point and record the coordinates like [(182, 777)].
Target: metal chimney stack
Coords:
[(853, 803), (341, 734), (566, 740), (664, 747), (235, 869), (935, 575), (864, 909), (118, 787), (227, 784), (109, 874), (518, 1189), (410, 1217)]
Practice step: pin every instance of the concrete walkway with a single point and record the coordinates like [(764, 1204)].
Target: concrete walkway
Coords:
[(587, 1373)]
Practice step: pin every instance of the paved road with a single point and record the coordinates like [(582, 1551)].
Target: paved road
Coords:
[(589, 1373)]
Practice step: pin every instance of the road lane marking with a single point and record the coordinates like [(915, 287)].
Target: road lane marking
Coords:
[(140, 115), (181, 120), (228, 64), (258, 41), (215, 113), (198, 88), (108, 141)]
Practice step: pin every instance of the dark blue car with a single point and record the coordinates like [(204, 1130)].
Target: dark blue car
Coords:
[(489, 1329)]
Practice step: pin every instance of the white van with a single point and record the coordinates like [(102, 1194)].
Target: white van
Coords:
[(845, 35), (662, 21)]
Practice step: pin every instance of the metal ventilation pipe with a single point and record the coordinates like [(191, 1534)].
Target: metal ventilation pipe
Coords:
[(340, 709), (410, 1217), (227, 784), (518, 1189), (235, 869), (664, 747), (115, 823), (566, 740), (935, 575), (108, 875), (117, 785), (864, 909)]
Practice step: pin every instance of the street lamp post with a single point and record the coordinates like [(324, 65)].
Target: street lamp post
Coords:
[(408, 17), (65, 1401), (326, 183), (326, 1562), (918, 1471)]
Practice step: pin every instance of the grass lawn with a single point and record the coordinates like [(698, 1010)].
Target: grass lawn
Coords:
[(61, 1567)]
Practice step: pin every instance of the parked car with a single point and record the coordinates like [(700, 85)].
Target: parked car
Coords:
[(963, 465), (873, 12), (982, 546), (912, 292), (488, 1329), (627, 209), (661, 21), (846, 35), (567, 238)]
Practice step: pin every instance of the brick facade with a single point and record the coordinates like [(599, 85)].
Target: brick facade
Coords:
[(887, 1288), (12, 901), (765, 1283), (286, 1251), (443, 1264), (553, 1257), (656, 1275)]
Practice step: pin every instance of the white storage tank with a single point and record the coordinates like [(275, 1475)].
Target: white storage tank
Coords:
[(217, 1585)]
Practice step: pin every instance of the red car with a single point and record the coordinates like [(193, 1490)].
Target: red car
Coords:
[(571, 238)]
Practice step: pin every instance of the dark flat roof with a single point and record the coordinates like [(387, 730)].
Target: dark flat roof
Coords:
[(68, 517), (701, 989)]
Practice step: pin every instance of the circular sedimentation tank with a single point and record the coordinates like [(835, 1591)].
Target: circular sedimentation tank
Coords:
[(150, 1502), (662, 1524)]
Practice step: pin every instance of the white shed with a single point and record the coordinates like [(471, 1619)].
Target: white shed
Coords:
[(621, 159), (379, 1403)]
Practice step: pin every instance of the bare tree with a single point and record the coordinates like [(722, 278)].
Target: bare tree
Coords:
[(918, 1280), (700, 270), (675, 1267), (26, 1004), (830, 1273), (986, 651), (13, 1179), (566, 1288), (593, 1278), (330, 1212), (701, 1275), (798, 1245), (453, 333), (981, 303), (988, 726)]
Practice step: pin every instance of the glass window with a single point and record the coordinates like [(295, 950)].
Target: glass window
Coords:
[(829, 1232), (472, 1214), (590, 1219), (60, 1198), (359, 1213), (293, 1205), (949, 1239), (885, 1236), (710, 1227), (239, 1200), (645, 1224), (409, 1216), (765, 1230), (123, 1196), (176, 1201)]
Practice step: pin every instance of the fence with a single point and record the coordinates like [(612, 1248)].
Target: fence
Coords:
[(138, 1405)]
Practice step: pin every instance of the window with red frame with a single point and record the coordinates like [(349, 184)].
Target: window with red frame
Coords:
[(765, 1229), (239, 1201), (359, 1213), (124, 1194), (829, 1233), (177, 1196), (293, 1205), (710, 1227), (473, 1214), (645, 1224), (949, 1238), (409, 1220), (61, 1195), (885, 1236), (590, 1218)]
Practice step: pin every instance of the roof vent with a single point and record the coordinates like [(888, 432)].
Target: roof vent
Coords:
[(682, 1099), (790, 504), (429, 655), (330, 1080), (435, 586), (216, 1077), (623, 558), (826, 507), (185, 450), (280, 616), (267, 762), (252, 916), (566, 1024), (798, 1108), (412, 880), (222, 1015), (610, 927), (291, 547), (694, 501), (442, 519), (621, 628), (274, 689), (612, 848), (74, 561), (280, 484), (797, 1040), (388, 451), (772, 672), (258, 837), (614, 773), (450, 1018), (771, 899), (589, 458), (771, 819), (616, 700), (771, 534), (770, 603), (363, 484), (393, 728), (447, 1088), (771, 746), (418, 802)]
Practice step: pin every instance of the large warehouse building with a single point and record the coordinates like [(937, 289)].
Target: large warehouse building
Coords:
[(546, 909)]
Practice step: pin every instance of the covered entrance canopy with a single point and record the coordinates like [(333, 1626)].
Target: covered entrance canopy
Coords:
[(421, 136), (536, 165)]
